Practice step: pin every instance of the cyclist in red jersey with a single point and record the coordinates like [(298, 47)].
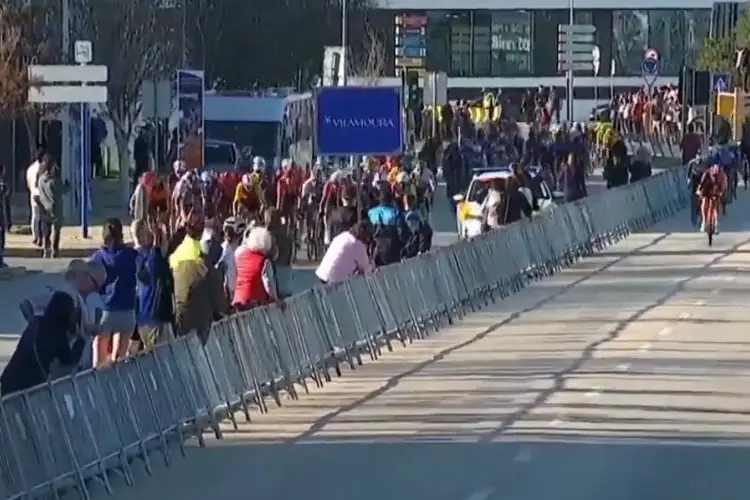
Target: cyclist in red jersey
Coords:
[(711, 190)]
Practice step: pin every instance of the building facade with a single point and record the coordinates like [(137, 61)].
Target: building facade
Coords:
[(496, 44)]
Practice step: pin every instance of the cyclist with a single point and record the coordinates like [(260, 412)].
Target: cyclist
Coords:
[(288, 192), (246, 200), (209, 189), (310, 198), (712, 187)]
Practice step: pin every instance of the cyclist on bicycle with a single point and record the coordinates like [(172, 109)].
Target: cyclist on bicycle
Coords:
[(310, 198), (711, 190)]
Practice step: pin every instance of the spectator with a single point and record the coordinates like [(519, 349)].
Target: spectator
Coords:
[(493, 206), (154, 287), (284, 250), (199, 297), (517, 206), (189, 246), (234, 229), (32, 175), (418, 239), (256, 276), (342, 218), (50, 192), (690, 145), (640, 167), (45, 340), (119, 295), (347, 255)]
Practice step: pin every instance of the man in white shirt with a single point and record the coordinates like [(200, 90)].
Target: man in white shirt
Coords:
[(346, 256), (32, 175)]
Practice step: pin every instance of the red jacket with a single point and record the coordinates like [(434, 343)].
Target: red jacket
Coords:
[(249, 289)]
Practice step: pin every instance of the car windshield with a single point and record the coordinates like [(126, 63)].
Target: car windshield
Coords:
[(219, 156)]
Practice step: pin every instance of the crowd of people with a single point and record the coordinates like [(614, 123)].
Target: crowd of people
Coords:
[(643, 114)]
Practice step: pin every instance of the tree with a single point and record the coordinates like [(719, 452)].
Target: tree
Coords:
[(26, 38), (368, 62), (136, 40), (718, 54), (279, 43)]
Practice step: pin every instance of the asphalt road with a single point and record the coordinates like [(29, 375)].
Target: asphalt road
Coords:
[(623, 377)]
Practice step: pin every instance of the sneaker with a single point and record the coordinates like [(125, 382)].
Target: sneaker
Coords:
[(703, 227)]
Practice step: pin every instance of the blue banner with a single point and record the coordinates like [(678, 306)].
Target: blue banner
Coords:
[(358, 121)]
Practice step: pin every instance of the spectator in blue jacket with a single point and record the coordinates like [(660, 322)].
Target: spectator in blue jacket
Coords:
[(118, 295), (155, 286)]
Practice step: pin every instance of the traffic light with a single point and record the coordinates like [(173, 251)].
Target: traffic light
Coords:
[(413, 92)]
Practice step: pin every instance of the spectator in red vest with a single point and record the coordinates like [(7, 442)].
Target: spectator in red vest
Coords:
[(256, 277)]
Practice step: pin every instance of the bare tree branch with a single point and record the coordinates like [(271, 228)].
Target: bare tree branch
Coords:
[(369, 66)]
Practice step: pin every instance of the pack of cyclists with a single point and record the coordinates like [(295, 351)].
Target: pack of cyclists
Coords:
[(307, 198)]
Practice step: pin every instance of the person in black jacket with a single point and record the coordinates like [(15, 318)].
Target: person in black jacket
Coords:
[(344, 217), (45, 339), (418, 236), (516, 204)]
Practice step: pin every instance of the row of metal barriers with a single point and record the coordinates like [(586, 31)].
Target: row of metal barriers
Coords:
[(66, 436)]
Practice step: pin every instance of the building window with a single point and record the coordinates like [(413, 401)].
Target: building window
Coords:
[(482, 36), (460, 43), (511, 43), (631, 31)]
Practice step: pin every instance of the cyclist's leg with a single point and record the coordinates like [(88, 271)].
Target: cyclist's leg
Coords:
[(705, 205)]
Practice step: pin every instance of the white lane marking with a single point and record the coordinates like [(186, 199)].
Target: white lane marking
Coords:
[(523, 455), (729, 278), (715, 292), (594, 392), (644, 348), (685, 315), (665, 331), (623, 367), (701, 302), (481, 494)]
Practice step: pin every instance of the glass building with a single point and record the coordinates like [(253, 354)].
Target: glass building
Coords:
[(481, 43)]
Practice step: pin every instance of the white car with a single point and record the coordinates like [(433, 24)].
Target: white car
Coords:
[(468, 218)]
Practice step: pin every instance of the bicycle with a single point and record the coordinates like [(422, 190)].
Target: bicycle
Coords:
[(710, 224)]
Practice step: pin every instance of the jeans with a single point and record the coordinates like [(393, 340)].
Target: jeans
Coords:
[(51, 235), (36, 222)]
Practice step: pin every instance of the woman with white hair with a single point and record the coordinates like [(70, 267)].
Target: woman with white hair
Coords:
[(256, 277), (640, 167)]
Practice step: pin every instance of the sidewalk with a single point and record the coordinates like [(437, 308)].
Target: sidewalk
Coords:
[(106, 204)]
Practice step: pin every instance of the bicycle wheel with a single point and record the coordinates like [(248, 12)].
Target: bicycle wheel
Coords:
[(710, 233), (310, 242)]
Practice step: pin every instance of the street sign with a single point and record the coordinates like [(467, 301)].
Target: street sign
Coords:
[(577, 28), (575, 66), (720, 81), (650, 67), (435, 92), (83, 52), (72, 73), (358, 121), (156, 99), (65, 84)]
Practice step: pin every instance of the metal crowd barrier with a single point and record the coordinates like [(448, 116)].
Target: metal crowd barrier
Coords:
[(87, 428)]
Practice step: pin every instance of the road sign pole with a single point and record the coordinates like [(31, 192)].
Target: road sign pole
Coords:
[(569, 90), (73, 94)]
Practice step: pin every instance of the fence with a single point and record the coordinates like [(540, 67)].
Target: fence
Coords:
[(86, 428)]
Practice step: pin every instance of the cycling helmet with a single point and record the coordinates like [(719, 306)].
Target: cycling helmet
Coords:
[(286, 164), (336, 176), (714, 170), (179, 166), (207, 176), (246, 180), (237, 224), (259, 163)]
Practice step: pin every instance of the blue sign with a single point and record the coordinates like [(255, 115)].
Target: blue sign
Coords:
[(651, 63), (358, 121), (720, 82)]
